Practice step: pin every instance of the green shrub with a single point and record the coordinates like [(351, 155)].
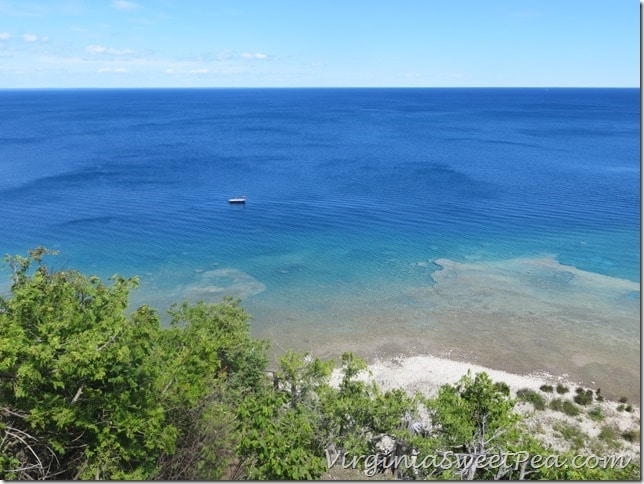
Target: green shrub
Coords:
[(621, 407), (623, 400), (583, 397), (631, 435), (556, 405), (598, 395), (564, 406), (546, 388), (572, 434), (502, 387), (527, 395), (570, 409), (102, 392), (561, 389), (596, 414), (608, 434), (629, 408)]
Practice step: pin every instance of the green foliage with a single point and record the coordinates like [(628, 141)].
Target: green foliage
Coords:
[(623, 400), (502, 387), (572, 468), (565, 406), (289, 430), (556, 404), (609, 434), (388, 409), (90, 392), (475, 418), (598, 395), (77, 376), (561, 388), (472, 407), (346, 412), (528, 395), (216, 338), (573, 434), (281, 436), (596, 414), (632, 436), (210, 363), (276, 439), (546, 388), (300, 376), (583, 397)]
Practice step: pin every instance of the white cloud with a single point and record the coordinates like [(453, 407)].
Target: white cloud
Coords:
[(4, 35), (124, 5), (199, 71), (95, 49), (100, 49), (247, 55), (29, 37)]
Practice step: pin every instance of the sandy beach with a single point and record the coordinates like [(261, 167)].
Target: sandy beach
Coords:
[(426, 374)]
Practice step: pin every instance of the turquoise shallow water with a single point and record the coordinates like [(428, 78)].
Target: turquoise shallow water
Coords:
[(353, 195)]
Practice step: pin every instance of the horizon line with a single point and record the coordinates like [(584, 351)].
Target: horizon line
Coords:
[(307, 87)]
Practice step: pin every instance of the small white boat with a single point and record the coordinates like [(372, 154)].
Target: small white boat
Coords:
[(237, 200)]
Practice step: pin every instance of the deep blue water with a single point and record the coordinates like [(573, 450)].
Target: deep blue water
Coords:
[(347, 188)]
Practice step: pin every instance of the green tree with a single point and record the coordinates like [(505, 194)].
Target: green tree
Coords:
[(346, 410), (473, 407), (77, 391), (278, 440), (301, 376), (282, 427), (89, 391), (211, 364), (473, 418)]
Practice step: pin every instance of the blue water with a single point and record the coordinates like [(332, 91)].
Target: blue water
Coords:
[(351, 192)]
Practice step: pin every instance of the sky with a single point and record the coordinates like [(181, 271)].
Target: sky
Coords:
[(319, 43)]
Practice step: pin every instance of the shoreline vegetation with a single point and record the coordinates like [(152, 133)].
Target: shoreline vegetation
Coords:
[(561, 413), (90, 390)]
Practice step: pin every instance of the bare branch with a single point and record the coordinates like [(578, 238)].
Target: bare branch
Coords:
[(14, 432), (78, 394), (108, 342), (13, 413)]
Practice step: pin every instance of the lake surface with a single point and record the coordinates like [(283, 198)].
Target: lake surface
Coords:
[(500, 226)]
